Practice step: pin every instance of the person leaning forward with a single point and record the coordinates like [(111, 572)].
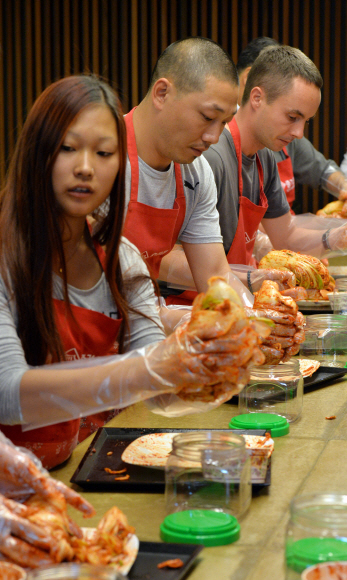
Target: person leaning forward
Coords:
[(282, 93), (170, 189)]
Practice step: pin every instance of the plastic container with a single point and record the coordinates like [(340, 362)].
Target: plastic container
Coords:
[(338, 299), (208, 470), (316, 532), (326, 339), (275, 389), (205, 527), (73, 571)]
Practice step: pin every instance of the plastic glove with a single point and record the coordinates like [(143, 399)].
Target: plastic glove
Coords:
[(173, 315), (336, 239), (75, 389), (284, 279), (336, 184), (22, 474), (288, 332), (262, 245)]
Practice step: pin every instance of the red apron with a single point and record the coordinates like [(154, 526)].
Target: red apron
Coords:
[(153, 230), (250, 215), (90, 334), (285, 170)]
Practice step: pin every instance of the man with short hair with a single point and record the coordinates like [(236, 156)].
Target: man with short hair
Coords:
[(170, 189), (282, 93), (298, 162)]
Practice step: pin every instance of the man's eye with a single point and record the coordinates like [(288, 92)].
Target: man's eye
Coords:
[(105, 153), (206, 118), (292, 118)]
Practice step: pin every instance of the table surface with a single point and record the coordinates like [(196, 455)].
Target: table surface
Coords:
[(311, 459)]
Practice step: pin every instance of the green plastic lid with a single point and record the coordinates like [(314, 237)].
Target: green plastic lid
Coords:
[(205, 527), (275, 423), (309, 551)]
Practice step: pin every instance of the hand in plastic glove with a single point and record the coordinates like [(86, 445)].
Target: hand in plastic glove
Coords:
[(173, 316), (336, 239), (21, 475), (284, 278), (22, 541), (287, 334)]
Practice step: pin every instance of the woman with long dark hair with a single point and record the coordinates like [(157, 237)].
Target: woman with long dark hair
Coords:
[(67, 293)]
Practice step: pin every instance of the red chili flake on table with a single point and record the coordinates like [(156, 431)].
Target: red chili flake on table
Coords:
[(108, 470), (176, 563), (331, 417)]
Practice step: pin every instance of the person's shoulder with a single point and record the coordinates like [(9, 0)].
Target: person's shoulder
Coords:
[(130, 257)]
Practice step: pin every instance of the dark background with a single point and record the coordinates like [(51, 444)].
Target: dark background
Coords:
[(43, 40)]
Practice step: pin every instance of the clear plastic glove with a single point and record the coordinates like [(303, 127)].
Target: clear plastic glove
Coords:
[(288, 331), (336, 184), (285, 279), (22, 474), (75, 389), (262, 245), (337, 239), (173, 315), (226, 343)]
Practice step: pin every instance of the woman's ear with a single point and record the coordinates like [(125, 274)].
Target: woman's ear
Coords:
[(160, 92)]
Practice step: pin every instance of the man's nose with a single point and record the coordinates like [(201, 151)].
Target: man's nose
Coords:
[(212, 134)]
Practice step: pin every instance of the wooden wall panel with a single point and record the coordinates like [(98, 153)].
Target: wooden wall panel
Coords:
[(43, 40)]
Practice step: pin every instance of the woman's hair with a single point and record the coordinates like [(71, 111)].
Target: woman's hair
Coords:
[(30, 218)]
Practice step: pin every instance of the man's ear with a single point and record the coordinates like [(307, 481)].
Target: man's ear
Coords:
[(256, 97), (160, 92)]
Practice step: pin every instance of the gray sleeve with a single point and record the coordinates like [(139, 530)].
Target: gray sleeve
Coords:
[(309, 165), (201, 225), (224, 169), (12, 362), (140, 295), (278, 204)]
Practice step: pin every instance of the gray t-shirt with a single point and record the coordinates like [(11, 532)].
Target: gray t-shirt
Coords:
[(309, 165), (223, 161), (158, 189), (99, 298)]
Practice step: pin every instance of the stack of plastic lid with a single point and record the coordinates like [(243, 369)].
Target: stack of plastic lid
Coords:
[(205, 527), (276, 424)]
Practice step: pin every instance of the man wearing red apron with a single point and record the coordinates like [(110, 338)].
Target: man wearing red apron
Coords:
[(299, 162), (265, 122), (85, 334), (170, 190)]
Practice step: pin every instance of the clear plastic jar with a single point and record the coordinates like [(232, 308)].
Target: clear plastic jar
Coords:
[(316, 532), (74, 571), (208, 470), (274, 389), (338, 299), (326, 339)]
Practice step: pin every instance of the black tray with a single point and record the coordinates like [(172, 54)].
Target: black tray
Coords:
[(152, 553), (323, 377), (91, 474)]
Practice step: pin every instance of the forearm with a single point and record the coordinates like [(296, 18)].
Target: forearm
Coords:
[(335, 183), (174, 269), (66, 392)]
